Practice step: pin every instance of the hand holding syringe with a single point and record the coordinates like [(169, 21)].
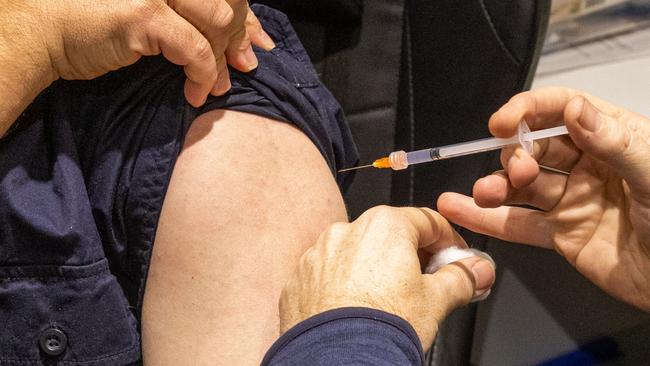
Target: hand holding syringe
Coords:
[(398, 160)]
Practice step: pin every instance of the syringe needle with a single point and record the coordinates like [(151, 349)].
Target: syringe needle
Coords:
[(381, 163), (355, 168)]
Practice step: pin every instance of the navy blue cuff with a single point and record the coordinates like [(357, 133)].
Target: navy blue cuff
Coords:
[(351, 335)]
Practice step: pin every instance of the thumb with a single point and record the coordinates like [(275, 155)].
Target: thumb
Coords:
[(456, 284), (617, 139)]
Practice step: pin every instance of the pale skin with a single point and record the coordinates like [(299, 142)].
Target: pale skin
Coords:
[(247, 197), (598, 217)]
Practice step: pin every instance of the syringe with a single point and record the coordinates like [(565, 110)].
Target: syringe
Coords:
[(398, 160)]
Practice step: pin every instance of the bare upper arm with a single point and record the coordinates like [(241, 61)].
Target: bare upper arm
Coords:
[(247, 197)]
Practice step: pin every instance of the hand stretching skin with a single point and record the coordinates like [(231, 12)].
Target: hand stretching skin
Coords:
[(373, 262), (43, 40), (598, 217)]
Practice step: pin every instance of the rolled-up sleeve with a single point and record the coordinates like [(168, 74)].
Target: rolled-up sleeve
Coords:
[(348, 336)]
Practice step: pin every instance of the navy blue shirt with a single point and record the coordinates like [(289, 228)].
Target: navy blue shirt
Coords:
[(348, 336), (83, 175)]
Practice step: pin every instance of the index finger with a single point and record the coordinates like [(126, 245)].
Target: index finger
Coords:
[(433, 231), (214, 19), (184, 45), (514, 224), (540, 108)]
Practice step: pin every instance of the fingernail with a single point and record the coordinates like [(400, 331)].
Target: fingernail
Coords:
[(250, 58), (481, 295), (483, 276), (267, 42), (589, 117)]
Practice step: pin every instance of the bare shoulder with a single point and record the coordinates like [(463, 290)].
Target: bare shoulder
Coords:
[(247, 197)]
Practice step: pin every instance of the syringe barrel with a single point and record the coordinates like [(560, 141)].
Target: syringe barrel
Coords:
[(419, 156), (473, 147), (400, 159), (460, 149)]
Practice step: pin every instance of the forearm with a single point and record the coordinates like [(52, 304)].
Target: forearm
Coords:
[(25, 68)]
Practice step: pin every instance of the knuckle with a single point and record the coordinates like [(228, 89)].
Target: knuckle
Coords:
[(212, 11), (252, 23), (458, 285), (627, 135), (334, 232), (222, 16), (221, 62), (617, 114), (619, 137), (242, 39), (389, 221), (240, 9), (337, 228), (308, 257), (219, 16), (565, 89), (438, 219), (147, 9), (382, 212), (202, 49), (522, 98), (137, 24)]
